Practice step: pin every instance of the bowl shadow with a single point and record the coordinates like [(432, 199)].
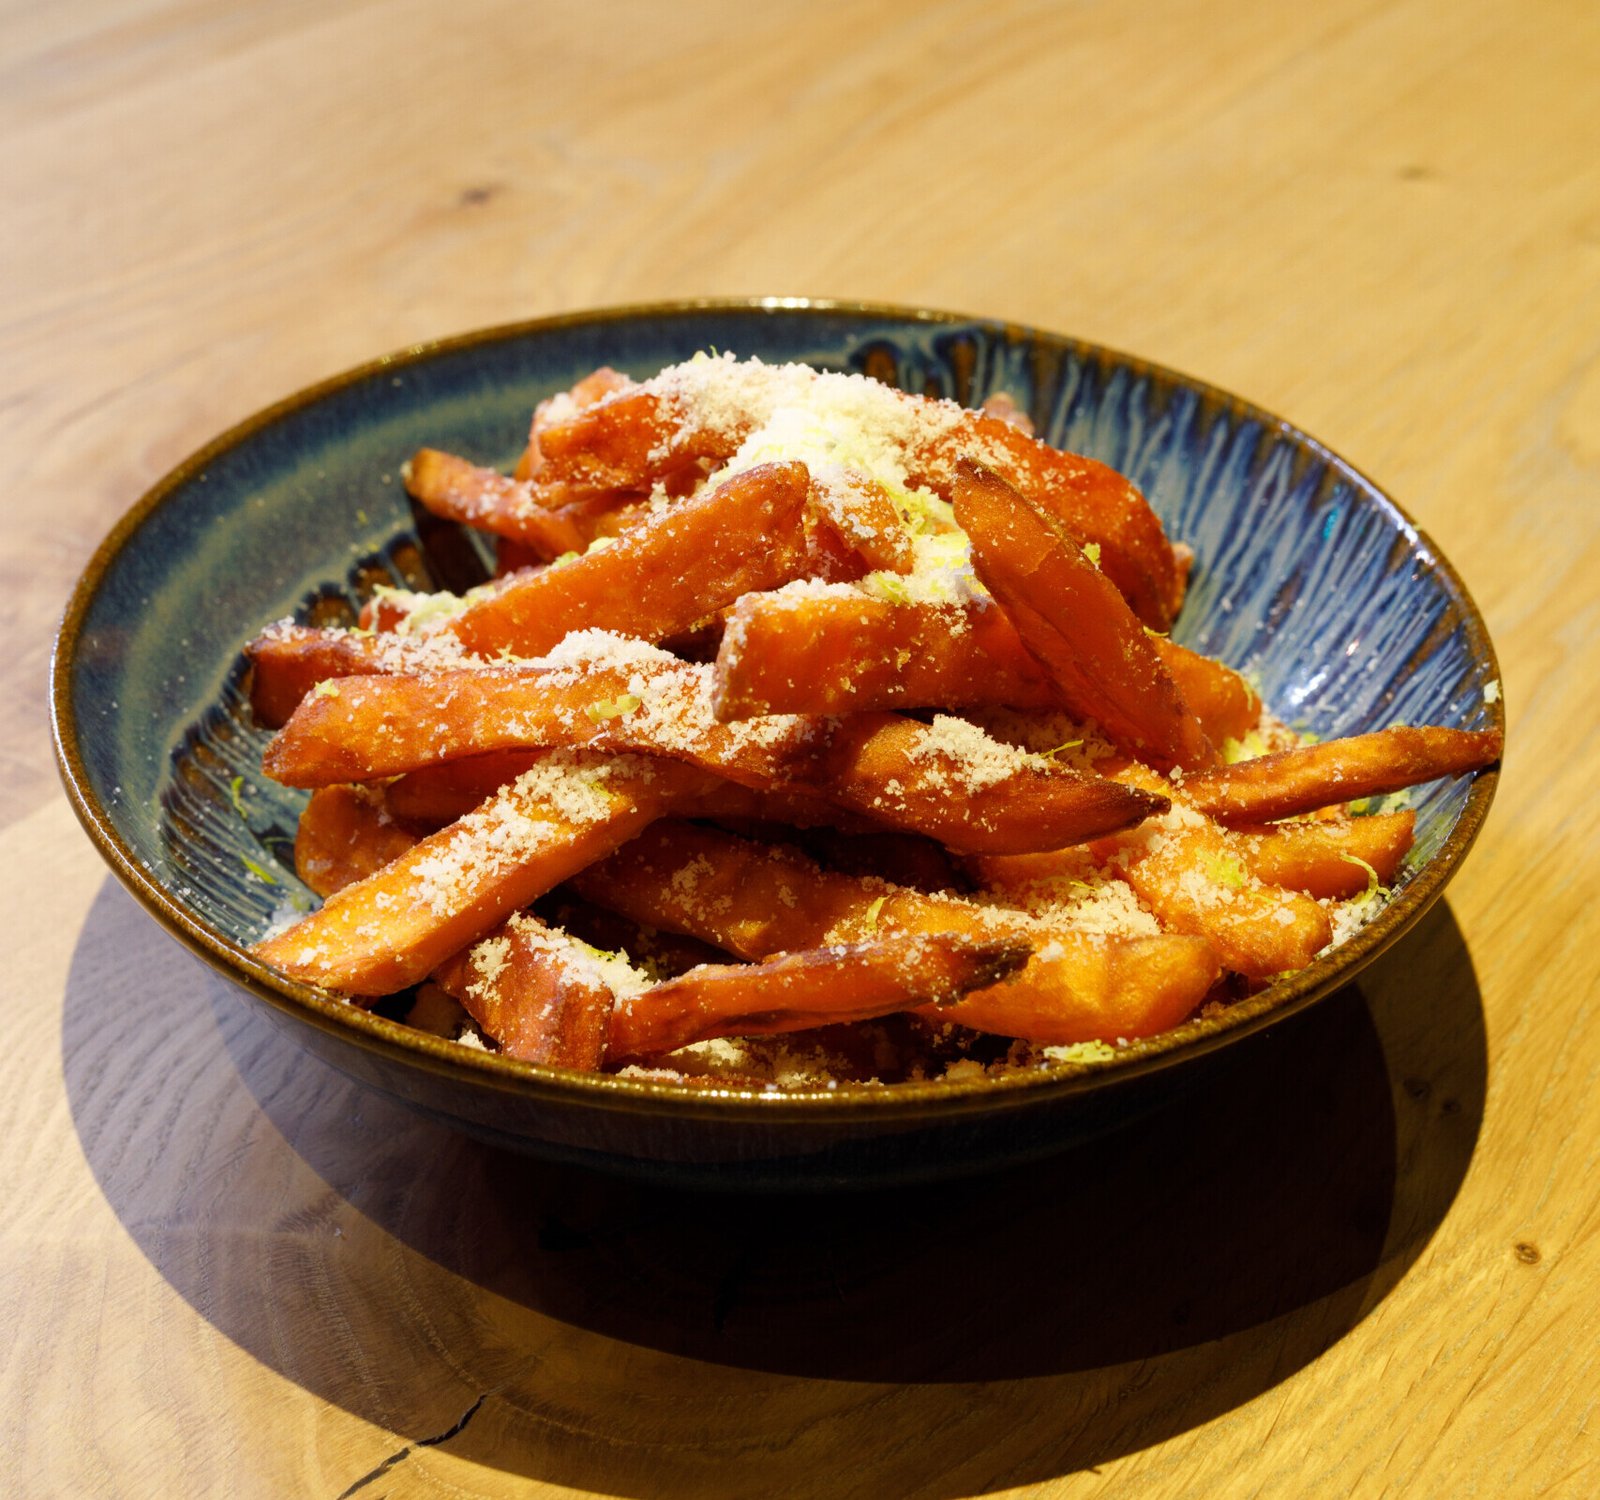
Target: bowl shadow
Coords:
[(935, 1340)]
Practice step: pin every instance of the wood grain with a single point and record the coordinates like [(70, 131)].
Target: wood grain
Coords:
[(1361, 1259)]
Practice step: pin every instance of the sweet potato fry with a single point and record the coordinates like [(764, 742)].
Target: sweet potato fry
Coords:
[(1079, 987), (863, 514), (632, 439), (1290, 782), (1094, 503), (461, 491), (538, 993), (796, 991), (947, 780), (1071, 616), (1196, 878), (436, 795), (345, 834), (951, 782), (754, 900), (287, 661), (659, 578), (1332, 859), (592, 389), (1227, 707), (825, 653), (808, 651), (394, 927)]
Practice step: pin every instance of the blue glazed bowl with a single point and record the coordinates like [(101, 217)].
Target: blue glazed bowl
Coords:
[(1308, 577)]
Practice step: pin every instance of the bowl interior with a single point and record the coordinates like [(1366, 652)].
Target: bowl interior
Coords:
[(1307, 578)]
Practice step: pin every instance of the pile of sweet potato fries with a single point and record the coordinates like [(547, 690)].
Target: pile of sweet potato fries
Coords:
[(866, 698)]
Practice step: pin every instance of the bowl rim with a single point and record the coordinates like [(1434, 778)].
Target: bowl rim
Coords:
[(907, 1103)]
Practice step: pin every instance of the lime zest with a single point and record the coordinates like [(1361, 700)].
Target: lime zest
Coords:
[(1253, 744), (256, 870), (1226, 869), (1375, 887), (1081, 1052), (613, 708)]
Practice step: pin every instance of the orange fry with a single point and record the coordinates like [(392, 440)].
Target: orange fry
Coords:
[(754, 900), (863, 514), (287, 661), (1071, 616), (1080, 987), (593, 388), (796, 991), (827, 653), (1196, 878), (461, 491), (1096, 505), (810, 651), (537, 992), (947, 780), (1290, 782), (345, 834), (659, 578), (632, 439), (1227, 707), (1332, 858), (1195, 883), (393, 928), (435, 795)]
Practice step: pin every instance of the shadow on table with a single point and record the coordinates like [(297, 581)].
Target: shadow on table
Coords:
[(630, 1339)]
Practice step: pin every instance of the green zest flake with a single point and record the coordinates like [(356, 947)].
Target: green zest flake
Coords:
[(1226, 870), (1252, 745), (257, 871), (327, 688), (566, 557), (892, 589), (1082, 1052), (1091, 550), (874, 909), (235, 795), (1374, 887), (613, 708), (1064, 745), (1394, 802)]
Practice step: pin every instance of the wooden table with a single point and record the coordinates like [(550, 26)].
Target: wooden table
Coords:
[(1362, 1259)]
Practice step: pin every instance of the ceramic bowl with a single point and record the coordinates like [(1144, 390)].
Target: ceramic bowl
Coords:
[(1308, 577)]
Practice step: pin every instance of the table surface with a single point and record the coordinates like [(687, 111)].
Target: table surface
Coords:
[(1363, 1260)]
